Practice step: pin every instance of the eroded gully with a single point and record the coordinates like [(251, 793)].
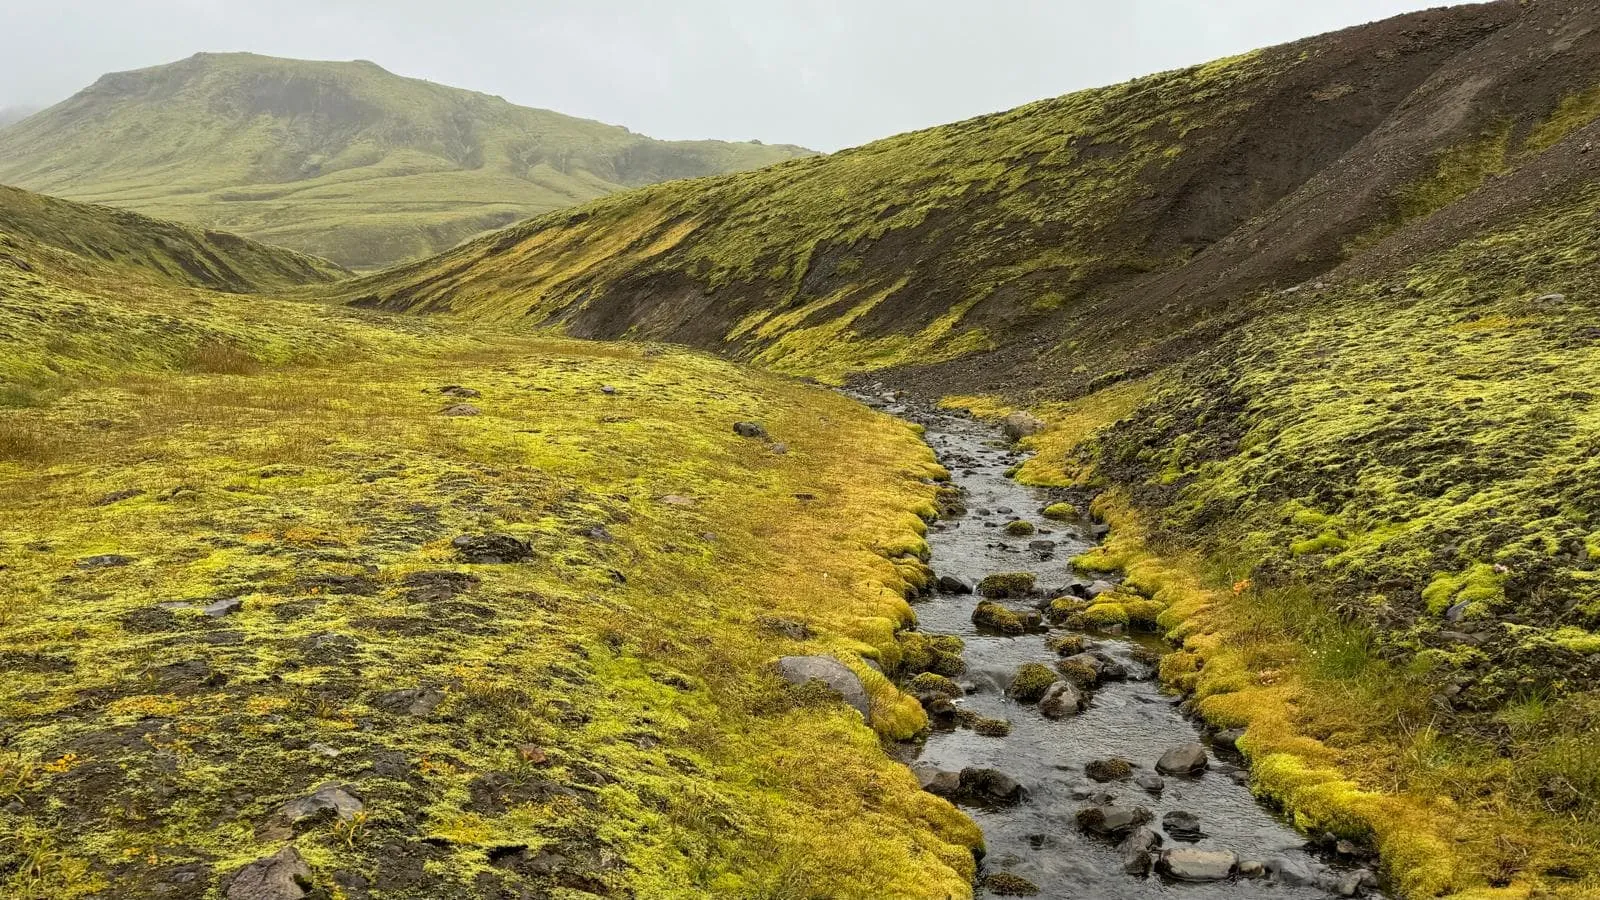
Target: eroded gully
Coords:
[(1039, 837)]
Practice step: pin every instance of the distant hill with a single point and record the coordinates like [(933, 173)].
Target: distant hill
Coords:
[(340, 159), (10, 114)]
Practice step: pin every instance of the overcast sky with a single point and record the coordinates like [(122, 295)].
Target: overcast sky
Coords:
[(823, 73)]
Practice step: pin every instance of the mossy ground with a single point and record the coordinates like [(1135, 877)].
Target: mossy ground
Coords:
[(610, 702)]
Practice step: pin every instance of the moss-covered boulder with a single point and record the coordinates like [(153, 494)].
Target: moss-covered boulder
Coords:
[(1020, 528), (1008, 585), (995, 617), (1031, 682)]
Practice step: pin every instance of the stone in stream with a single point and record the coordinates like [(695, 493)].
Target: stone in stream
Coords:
[(281, 876), (1099, 587), (1151, 782), (1005, 884), (1112, 821), (954, 584), (1194, 864), (1019, 425), (1182, 825), (1104, 770), (1292, 872), (1061, 700), (998, 618), (749, 430), (1137, 851), (939, 782), (830, 673), (1007, 585), (1229, 739), (1189, 759), (1031, 683), (990, 784), (1252, 868)]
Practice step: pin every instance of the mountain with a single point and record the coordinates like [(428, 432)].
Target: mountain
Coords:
[(339, 159), (9, 114), (1316, 327)]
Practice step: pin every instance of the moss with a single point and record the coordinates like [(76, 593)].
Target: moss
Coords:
[(1031, 682), (1019, 528), (1064, 609), (1007, 585), (987, 727), (1078, 672), (1005, 884), (1065, 644), (1480, 587), (1327, 542), (1113, 769), (939, 654), (998, 618), (1105, 615), (930, 683), (1099, 561), (1061, 512)]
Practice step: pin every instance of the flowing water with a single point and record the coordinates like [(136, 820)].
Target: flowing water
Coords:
[(1135, 720)]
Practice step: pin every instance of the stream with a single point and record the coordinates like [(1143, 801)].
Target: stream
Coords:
[(1039, 838)]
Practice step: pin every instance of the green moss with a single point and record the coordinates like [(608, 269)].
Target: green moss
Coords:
[(1327, 542), (930, 683), (1065, 644), (1019, 528), (1007, 585), (1061, 512), (1480, 587), (1031, 682), (998, 618)]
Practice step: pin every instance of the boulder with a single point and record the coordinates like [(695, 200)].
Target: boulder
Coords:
[(224, 607), (940, 782), (105, 561), (954, 584), (1031, 683), (1292, 872), (460, 409), (1151, 782), (329, 801), (1228, 740), (1182, 826), (829, 672), (490, 549), (1019, 425), (1104, 770), (464, 393), (1112, 821), (1005, 884), (1061, 700), (749, 430), (1099, 587), (990, 784), (1188, 759), (1137, 851), (281, 876), (1194, 864)]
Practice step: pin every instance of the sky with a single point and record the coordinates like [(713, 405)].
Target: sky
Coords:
[(826, 74)]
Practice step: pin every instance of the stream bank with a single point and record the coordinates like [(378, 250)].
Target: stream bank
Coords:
[(1073, 803)]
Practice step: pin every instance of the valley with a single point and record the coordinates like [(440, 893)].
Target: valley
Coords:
[(1182, 488)]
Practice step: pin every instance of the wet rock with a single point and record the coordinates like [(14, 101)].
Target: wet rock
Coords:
[(464, 393), (1099, 587), (1104, 770), (1061, 700), (1151, 782), (1030, 683), (105, 561), (1182, 826), (940, 782), (224, 607), (490, 549), (1019, 425), (1348, 884), (410, 701), (1007, 585), (1229, 739), (1042, 546), (954, 584), (461, 409), (1005, 884), (749, 430), (1111, 821), (998, 618), (1189, 759), (1137, 851), (990, 784), (1456, 612), (829, 672), (281, 876), (1251, 868), (1065, 644), (1292, 872), (1194, 864)]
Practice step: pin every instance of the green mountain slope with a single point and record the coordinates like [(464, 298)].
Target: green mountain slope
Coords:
[(1316, 324), (343, 160)]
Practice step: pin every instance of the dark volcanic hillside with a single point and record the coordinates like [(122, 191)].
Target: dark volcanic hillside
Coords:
[(1318, 325), (341, 159)]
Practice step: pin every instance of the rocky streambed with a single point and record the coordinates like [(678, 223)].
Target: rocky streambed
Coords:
[(1084, 774)]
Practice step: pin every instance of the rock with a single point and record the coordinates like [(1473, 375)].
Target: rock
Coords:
[(1292, 872), (281, 876), (456, 390), (789, 628), (607, 389), (940, 782), (998, 618), (1061, 700), (1019, 425), (954, 584), (749, 430), (1189, 759), (410, 701), (1229, 739), (832, 674), (224, 607), (1251, 868), (1346, 884), (1042, 546), (328, 802), (1005, 884), (1031, 683), (1552, 299), (678, 500), (460, 409), (1104, 770), (105, 561), (1182, 826), (1194, 864), (1007, 585), (1151, 782), (1136, 851), (1112, 821), (1099, 587), (779, 449), (1456, 612), (490, 549), (990, 784)]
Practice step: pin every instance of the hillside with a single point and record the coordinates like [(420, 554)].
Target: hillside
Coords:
[(339, 159), (243, 641), (1316, 327)]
